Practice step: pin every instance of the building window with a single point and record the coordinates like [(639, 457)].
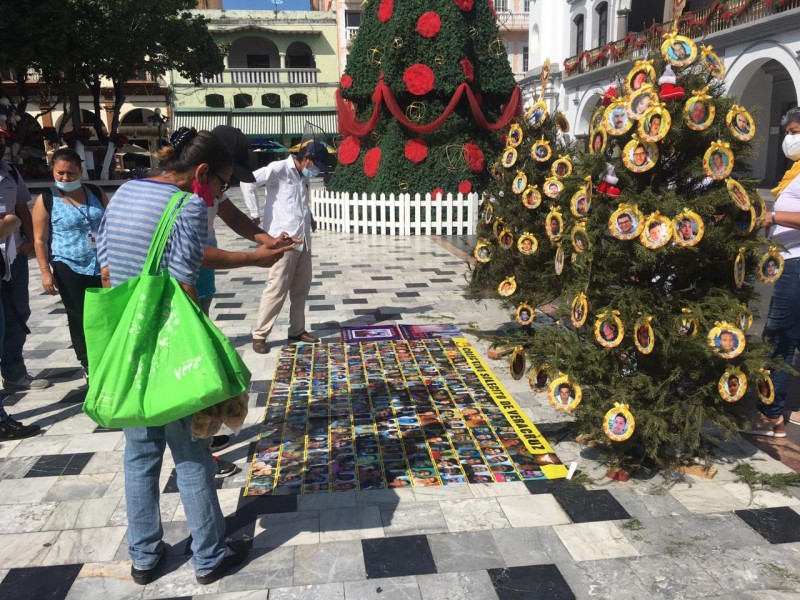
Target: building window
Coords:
[(258, 61), (242, 101), (271, 100), (501, 5), (527, 5), (298, 100), (578, 34), (352, 19), (525, 59), (299, 56), (602, 24), (215, 101)]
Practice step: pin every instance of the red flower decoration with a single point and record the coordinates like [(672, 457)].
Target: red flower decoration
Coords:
[(349, 150), (416, 150), (465, 5), (429, 24), (372, 161), (468, 69), (437, 194), (465, 187), (418, 79), (346, 81), (474, 158), (610, 94), (385, 10)]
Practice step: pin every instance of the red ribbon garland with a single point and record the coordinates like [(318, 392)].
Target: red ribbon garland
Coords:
[(349, 125)]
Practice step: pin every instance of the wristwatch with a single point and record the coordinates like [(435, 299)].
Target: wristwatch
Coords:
[(773, 218)]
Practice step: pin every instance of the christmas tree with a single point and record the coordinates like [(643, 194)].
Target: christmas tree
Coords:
[(426, 90), (656, 278)]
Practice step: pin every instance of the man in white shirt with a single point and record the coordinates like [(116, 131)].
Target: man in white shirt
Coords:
[(286, 209)]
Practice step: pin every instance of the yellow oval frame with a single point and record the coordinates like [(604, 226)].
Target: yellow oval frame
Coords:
[(765, 376), (488, 213), (582, 302), (627, 155), (520, 183), (576, 390), (558, 263), (772, 255), (518, 318), (541, 144), (497, 226), (645, 68), (730, 120), (711, 112), (645, 238), (638, 218), (723, 151), (513, 281), (515, 128), (696, 220), (644, 322), (722, 385), (617, 322), (646, 91), (611, 109), (734, 186), (644, 123), (603, 135), (505, 233), (509, 157), (554, 214), (745, 321), (534, 244), (715, 343), (578, 229), (712, 62), (564, 160), (739, 269), (671, 56), (476, 251), (608, 419), (517, 355), (549, 182), (541, 106), (573, 203), (531, 191), (534, 375), (742, 232)]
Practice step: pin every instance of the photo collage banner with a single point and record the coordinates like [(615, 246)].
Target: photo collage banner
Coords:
[(392, 414)]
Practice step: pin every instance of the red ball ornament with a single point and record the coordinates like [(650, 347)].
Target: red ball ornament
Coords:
[(465, 187), (437, 194), (372, 161), (429, 24), (474, 158), (385, 10), (346, 81), (349, 150), (468, 69), (419, 79), (465, 5), (416, 150)]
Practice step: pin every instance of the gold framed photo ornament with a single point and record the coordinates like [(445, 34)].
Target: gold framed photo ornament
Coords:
[(643, 336), (558, 263), (718, 161), (515, 135), (618, 423), (520, 183), (561, 168), (699, 111), (740, 123), (517, 364), (579, 311), (738, 194), (482, 251), (657, 231), (678, 50), (598, 143), (507, 287), (524, 314), (732, 385), (627, 222), (580, 239), (506, 239), (539, 378), (727, 340), (509, 157), (641, 74), (531, 197), (640, 101), (770, 267), (609, 330), (552, 187), (564, 394), (639, 156), (527, 244), (688, 228), (712, 62), (739, 268), (580, 204), (541, 151), (537, 114), (616, 119), (655, 124), (764, 387)]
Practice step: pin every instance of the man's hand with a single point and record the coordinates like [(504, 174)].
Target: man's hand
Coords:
[(9, 224), (266, 257), (284, 240)]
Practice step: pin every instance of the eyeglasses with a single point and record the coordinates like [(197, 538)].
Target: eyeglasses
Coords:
[(225, 184)]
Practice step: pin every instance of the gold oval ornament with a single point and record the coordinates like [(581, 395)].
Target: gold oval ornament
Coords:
[(509, 157), (688, 228), (482, 251), (539, 378), (727, 340), (564, 394), (552, 187), (770, 267), (507, 287), (520, 183), (738, 194), (524, 314), (640, 101), (506, 239), (764, 386), (643, 336), (537, 114), (639, 156), (515, 135), (713, 63), (739, 268), (579, 311), (558, 264), (618, 423), (655, 124), (580, 204), (580, 239), (517, 363), (541, 151), (609, 330), (657, 231), (699, 111), (627, 222), (598, 143), (527, 244), (616, 119), (740, 123), (718, 160), (531, 198), (687, 324), (732, 385), (555, 224), (561, 168), (678, 50), (641, 74)]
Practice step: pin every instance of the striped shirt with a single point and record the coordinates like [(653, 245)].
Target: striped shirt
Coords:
[(130, 222)]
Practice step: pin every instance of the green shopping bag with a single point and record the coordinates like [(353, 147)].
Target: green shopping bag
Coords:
[(154, 357)]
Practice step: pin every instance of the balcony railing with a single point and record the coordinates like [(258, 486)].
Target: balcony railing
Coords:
[(512, 20), (350, 32), (692, 24), (263, 77)]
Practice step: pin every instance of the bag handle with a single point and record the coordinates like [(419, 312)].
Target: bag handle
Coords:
[(162, 232)]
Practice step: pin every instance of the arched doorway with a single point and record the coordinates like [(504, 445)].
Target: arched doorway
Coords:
[(299, 56)]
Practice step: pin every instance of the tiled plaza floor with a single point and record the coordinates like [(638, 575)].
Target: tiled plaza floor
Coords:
[(62, 532)]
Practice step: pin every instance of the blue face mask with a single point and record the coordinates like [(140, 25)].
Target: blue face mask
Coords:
[(310, 171), (68, 186)]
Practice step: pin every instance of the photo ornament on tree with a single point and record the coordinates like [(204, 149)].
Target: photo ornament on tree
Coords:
[(713, 63), (509, 157), (727, 340), (616, 119), (626, 222), (655, 124), (718, 160), (527, 244), (640, 101), (732, 385), (657, 231), (579, 238), (643, 337), (738, 194), (770, 267), (538, 379), (552, 187), (580, 310), (678, 50), (598, 143), (639, 156), (618, 423), (609, 330), (563, 394), (515, 135), (580, 204), (537, 114), (541, 151), (688, 228), (505, 239), (688, 323), (531, 198), (739, 268), (488, 212), (561, 168), (482, 251), (517, 363), (641, 74), (555, 224), (524, 314), (764, 387), (740, 123), (699, 111), (507, 287), (558, 264), (520, 183)]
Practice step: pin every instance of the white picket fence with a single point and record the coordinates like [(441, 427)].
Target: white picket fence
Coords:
[(403, 214)]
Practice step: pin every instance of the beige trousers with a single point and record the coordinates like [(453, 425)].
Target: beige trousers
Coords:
[(290, 275)]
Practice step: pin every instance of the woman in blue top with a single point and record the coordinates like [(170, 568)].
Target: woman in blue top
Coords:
[(66, 220)]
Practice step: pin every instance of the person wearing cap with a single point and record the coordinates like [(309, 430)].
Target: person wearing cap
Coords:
[(14, 199), (286, 208)]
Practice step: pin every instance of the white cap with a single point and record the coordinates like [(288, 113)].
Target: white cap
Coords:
[(668, 76)]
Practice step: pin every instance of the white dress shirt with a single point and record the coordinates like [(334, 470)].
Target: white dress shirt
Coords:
[(788, 201), (286, 204)]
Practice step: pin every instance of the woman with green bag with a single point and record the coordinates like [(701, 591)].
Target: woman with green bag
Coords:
[(193, 162)]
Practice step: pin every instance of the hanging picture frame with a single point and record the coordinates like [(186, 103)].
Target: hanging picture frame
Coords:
[(506, 239), (488, 212), (554, 224), (727, 340), (561, 168), (498, 226), (580, 204), (643, 336), (517, 363), (642, 73), (732, 385), (626, 222), (561, 121), (558, 263), (687, 323), (739, 268), (699, 111), (764, 387), (552, 187), (520, 183), (770, 267), (745, 320), (537, 114), (482, 251), (640, 101), (598, 143), (524, 314), (541, 151), (657, 231), (688, 228), (639, 156), (531, 198), (507, 287), (718, 160), (580, 239), (564, 394), (618, 423), (616, 119), (527, 244), (509, 157), (515, 135), (579, 311), (655, 124), (740, 123), (678, 50), (608, 329), (539, 378), (745, 221), (712, 62), (738, 194)]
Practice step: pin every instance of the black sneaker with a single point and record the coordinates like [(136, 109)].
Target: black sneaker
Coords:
[(218, 442), (11, 429), (239, 550), (224, 468), (145, 576)]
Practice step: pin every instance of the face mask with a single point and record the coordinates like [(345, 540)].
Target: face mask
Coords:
[(204, 191), (791, 146), (68, 186), (310, 171)]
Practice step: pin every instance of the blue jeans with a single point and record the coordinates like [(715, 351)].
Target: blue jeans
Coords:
[(144, 453), (16, 311), (783, 331)]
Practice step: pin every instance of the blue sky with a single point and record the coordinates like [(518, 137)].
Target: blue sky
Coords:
[(265, 5)]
